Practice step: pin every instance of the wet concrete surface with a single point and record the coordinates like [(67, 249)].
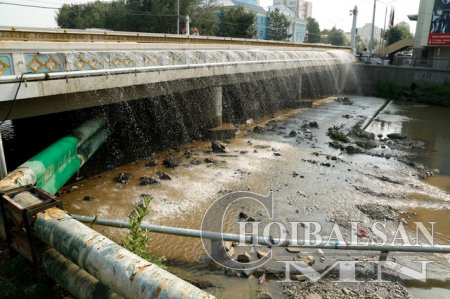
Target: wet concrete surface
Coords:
[(310, 181)]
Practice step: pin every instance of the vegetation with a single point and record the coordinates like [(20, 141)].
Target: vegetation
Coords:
[(427, 94), (279, 24), (236, 22), (131, 15), (397, 33), (138, 238), (18, 280), (334, 37), (313, 31)]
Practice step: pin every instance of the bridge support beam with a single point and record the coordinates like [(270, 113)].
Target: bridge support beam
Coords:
[(217, 94)]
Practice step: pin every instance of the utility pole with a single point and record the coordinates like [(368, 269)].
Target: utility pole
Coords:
[(178, 16), (354, 13), (371, 46)]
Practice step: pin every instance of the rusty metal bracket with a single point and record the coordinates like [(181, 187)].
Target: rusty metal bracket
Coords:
[(19, 216)]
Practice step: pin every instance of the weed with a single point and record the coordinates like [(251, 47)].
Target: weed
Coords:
[(138, 238)]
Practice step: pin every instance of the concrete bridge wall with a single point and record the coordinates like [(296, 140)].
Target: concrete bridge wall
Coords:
[(399, 75)]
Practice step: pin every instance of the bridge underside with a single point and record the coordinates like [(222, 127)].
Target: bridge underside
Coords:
[(56, 95)]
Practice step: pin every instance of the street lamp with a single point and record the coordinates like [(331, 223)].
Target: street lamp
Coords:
[(354, 13), (371, 45), (178, 16)]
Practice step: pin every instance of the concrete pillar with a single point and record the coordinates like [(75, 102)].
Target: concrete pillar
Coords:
[(3, 169), (218, 104)]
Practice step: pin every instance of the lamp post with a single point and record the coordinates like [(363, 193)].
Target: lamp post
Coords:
[(371, 45), (354, 13), (178, 16)]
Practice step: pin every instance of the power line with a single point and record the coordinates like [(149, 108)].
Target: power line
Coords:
[(29, 5)]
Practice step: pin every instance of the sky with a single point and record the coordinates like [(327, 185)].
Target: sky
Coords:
[(328, 13)]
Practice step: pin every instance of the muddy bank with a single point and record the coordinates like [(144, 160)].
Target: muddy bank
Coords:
[(291, 155)]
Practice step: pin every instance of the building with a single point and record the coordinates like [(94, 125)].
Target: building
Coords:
[(366, 31), (297, 28), (432, 39), (301, 8), (262, 19)]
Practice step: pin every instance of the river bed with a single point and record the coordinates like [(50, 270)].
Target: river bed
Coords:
[(310, 181)]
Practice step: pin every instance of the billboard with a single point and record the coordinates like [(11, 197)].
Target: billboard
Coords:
[(440, 24)]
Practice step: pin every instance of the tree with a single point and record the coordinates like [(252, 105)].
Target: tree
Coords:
[(337, 37), (131, 15), (360, 44), (279, 24), (313, 31), (204, 19), (397, 33), (236, 22)]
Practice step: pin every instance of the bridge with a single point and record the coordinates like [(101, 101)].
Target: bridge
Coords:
[(51, 71)]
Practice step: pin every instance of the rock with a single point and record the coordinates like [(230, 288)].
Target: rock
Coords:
[(294, 174), (293, 249), (188, 154), (326, 164), (195, 162), (397, 136), (351, 150), (210, 161), (243, 152), (88, 198), (171, 162), (307, 259), (264, 294), (346, 291), (244, 258), (313, 296), (261, 254), (123, 177), (313, 124), (276, 154), (144, 181), (151, 163), (217, 147), (228, 245), (251, 219), (163, 176), (436, 171), (242, 215), (231, 252), (292, 134), (380, 136), (299, 277), (258, 130)]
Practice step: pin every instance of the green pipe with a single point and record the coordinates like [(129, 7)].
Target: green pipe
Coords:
[(54, 166), (89, 128), (90, 146), (45, 164)]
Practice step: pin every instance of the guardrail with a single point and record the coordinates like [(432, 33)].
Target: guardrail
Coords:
[(73, 35), (422, 62)]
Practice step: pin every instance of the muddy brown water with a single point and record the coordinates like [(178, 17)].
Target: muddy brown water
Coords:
[(319, 193)]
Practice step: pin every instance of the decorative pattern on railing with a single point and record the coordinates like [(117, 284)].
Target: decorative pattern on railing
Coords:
[(44, 62), (5, 65)]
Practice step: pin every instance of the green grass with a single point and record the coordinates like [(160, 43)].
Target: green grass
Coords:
[(437, 94)]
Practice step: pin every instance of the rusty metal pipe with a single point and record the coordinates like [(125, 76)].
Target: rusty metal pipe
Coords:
[(117, 268), (78, 282)]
